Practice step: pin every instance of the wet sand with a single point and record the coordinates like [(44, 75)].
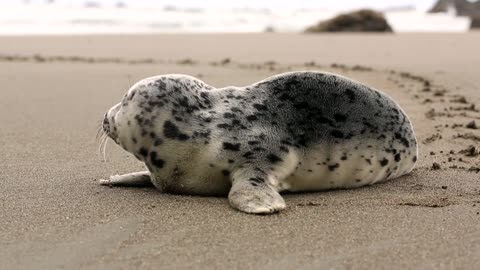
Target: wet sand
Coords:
[(54, 91)]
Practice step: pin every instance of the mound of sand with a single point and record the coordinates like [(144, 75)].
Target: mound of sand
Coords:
[(364, 20)]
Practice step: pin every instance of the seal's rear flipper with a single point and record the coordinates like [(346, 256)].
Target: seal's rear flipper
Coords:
[(136, 179), (252, 193)]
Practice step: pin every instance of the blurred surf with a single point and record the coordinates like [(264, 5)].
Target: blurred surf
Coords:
[(58, 19)]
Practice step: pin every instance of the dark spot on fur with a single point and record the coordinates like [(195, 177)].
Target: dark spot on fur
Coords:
[(301, 105), (257, 180), (171, 131), (143, 152), (273, 158), (223, 125), (231, 146), (397, 157), (284, 97), (383, 162), (340, 117), (236, 109), (402, 139), (351, 95), (337, 134), (226, 172), (159, 163), (260, 107), (157, 142), (183, 137), (333, 167), (248, 155), (252, 118)]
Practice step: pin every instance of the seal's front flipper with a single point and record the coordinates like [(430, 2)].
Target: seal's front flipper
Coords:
[(137, 179), (253, 193)]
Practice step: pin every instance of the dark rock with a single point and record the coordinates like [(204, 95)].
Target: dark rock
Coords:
[(364, 20), (269, 29), (472, 125), (471, 151), (475, 22), (463, 8), (474, 169)]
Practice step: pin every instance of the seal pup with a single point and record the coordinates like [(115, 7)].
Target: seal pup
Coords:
[(297, 131)]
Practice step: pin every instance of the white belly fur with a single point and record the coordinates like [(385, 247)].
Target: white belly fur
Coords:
[(313, 172)]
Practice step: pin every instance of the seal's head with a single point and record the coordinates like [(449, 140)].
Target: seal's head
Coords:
[(144, 102), (119, 125), (153, 111)]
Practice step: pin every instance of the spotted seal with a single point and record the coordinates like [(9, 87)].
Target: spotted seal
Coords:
[(297, 131)]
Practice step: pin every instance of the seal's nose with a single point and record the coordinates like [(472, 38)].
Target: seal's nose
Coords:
[(106, 124)]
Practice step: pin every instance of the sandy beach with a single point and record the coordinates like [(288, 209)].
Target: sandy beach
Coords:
[(54, 215)]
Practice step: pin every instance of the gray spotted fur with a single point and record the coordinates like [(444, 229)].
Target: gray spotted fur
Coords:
[(294, 131)]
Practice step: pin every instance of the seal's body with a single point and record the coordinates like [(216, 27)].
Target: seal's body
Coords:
[(298, 131)]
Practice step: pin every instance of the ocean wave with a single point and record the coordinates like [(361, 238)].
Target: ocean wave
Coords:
[(56, 19)]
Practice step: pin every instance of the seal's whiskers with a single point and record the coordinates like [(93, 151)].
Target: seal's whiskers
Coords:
[(102, 136), (102, 147)]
